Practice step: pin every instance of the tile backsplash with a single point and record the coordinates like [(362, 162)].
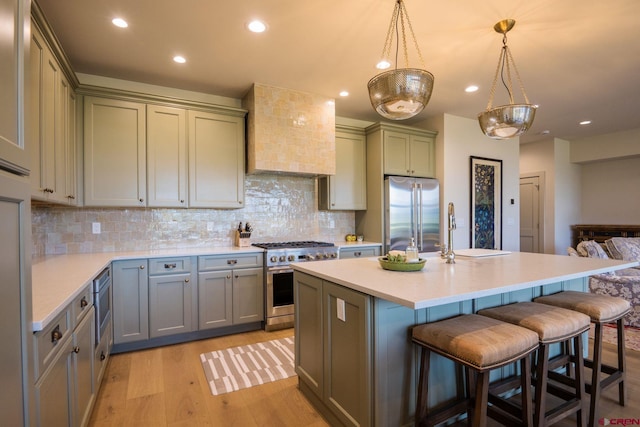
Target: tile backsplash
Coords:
[(278, 207)]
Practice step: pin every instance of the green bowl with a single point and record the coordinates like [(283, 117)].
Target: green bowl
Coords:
[(401, 266)]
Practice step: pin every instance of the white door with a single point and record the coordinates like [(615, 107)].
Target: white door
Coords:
[(530, 218)]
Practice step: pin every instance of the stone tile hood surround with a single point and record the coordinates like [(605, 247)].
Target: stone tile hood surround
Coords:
[(289, 132)]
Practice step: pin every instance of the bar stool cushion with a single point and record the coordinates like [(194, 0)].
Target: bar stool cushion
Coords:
[(552, 324), (477, 340), (600, 308)]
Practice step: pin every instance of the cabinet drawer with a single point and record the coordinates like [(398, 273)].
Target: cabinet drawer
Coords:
[(359, 252), (169, 265), (48, 341), (226, 261), (81, 305)]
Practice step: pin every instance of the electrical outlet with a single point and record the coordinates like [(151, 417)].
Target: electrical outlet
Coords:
[(95, 227), (209, 226)]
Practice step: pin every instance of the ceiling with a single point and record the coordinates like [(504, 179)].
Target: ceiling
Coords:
[(578, 59)]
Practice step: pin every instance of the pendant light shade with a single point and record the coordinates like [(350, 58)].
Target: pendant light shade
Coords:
[(400, 93), (511, 120)]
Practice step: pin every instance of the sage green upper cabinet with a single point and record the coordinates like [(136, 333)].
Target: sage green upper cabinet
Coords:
[(216, 160), (15, 24), (347, 189), (51, 126), (407, 151), (167, 156), (114, 152)]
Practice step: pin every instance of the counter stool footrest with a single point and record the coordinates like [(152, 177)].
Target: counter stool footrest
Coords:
[(562, 411), (442, 414)]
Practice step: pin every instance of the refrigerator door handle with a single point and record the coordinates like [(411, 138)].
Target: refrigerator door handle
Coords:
[(420, 223)]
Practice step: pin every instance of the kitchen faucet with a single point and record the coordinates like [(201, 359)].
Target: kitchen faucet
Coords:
[(447, 251)]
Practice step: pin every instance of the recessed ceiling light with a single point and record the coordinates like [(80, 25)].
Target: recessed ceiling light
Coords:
[(472, 88), (119, 22), (585, 122), (179, 59), (383, 65), (344, 93), (256, 26)]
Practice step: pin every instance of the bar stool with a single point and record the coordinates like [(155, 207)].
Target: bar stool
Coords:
[(479, 344), (553, 325), (601, 309)]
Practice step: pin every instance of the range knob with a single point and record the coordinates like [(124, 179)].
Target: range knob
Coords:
[(282, 258), (274, 258), (291, 258), (325, 255), (310, 257), (334, 255)]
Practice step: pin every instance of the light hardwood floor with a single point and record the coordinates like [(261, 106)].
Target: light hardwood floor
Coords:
[(166, 387)]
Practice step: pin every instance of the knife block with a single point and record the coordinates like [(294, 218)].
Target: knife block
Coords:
[(243, 239)]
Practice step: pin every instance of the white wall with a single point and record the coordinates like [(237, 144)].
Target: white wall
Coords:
[(610, 192), (458, 139), (567, 200), (538, 157), (610, 146), (561, 191)]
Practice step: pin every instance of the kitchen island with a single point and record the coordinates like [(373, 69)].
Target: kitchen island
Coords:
[(354, 356)]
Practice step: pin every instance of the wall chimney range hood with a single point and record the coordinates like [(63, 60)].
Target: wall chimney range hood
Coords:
[(289, 132)]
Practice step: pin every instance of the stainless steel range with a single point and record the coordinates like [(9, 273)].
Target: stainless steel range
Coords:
[(279, 276)]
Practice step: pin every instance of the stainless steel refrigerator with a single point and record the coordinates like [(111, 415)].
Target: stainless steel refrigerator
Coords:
[(412, 209)]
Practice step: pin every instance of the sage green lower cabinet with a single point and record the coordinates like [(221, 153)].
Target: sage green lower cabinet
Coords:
[(230, 297), (85, 390), (248, 296), (173, 293), (130, 301), (65, 390), (215, 299), (334, 349), (53, 391), (230, 290)]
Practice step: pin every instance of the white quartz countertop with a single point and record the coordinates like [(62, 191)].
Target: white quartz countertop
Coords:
[(58, 279), (470, 277)]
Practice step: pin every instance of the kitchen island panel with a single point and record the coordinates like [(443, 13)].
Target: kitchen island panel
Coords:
[(393, 357)]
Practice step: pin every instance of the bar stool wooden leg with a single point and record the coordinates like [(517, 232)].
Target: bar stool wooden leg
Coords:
[(595, 373), (423, 398), (541, 385), (622, 366), (482, 399), (579, 376)]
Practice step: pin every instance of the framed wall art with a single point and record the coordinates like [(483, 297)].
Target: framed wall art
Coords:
[(486, 203)]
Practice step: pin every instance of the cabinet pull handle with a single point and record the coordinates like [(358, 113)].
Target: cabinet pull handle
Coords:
[(142, 267), (102, 355), (76, 349), (228, 276), (71, 197), (232, 261), (83, 302), (141, 200), (357, 253), (56, 335), (186, 280), (181, 201), (170, 265), (237, 276)]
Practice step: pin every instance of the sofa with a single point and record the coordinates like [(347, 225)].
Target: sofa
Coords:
[(621, 283)]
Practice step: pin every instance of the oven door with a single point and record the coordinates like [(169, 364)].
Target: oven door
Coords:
[(103, 301), (279, 291)]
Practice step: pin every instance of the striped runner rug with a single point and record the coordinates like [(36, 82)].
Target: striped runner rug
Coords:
[(248, 365)]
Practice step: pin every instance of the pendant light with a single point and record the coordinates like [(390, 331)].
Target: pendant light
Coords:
[(400, 93), (511, 120)]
